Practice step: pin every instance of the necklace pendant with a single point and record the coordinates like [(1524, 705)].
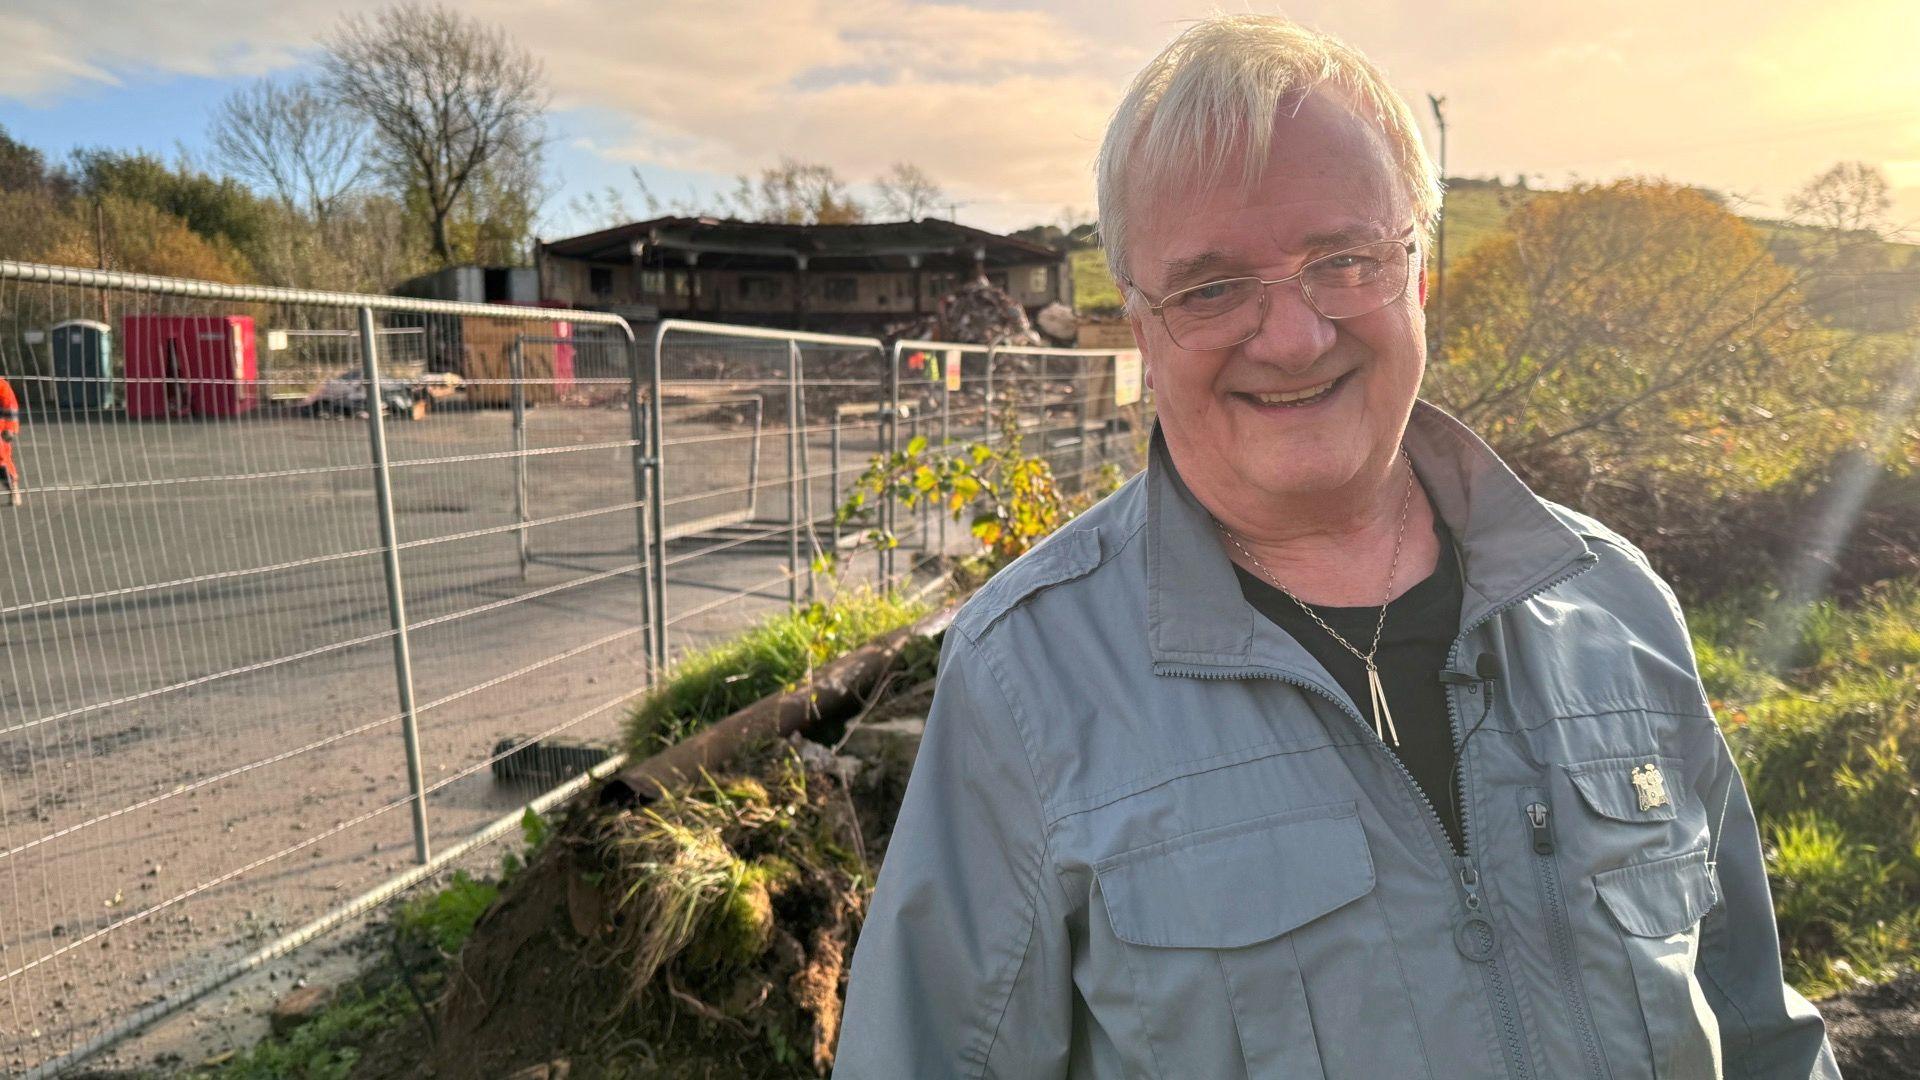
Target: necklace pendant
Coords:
[(1378, 692)]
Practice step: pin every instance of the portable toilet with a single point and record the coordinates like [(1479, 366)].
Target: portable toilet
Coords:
[(82, 364), (190, 365)]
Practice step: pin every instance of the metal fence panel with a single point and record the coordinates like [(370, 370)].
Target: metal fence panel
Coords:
[(295, 571), (203, 739)]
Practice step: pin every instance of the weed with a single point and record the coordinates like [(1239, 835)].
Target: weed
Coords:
[(444, 919)]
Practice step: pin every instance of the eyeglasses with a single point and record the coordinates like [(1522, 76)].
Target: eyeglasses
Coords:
[(1341, 285)]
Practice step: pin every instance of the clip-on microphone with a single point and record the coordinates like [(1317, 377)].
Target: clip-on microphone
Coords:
[(1486, 671)]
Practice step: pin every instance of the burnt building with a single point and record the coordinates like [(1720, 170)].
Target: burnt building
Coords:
[(856, 279)]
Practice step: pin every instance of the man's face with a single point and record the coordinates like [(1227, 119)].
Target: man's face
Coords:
[(1328, 172)]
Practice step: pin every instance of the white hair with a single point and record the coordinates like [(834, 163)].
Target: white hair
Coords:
[(1211, 96)]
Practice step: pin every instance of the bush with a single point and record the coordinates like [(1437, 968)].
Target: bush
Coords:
[(1822, 710)]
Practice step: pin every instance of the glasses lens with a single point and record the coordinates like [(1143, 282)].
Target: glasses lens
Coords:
[(1214, 315), (1352, 283)]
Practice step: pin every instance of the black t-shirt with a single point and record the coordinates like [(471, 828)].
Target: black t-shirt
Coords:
[(1420, 627)]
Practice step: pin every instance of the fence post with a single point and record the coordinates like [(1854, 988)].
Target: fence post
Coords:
[(516, 371), (793, 473), (833, 486), (645, 493), (396, 595), (946, 439), (988, 426), (887, 514), (1085, 406), (658, 510), (806, 462)]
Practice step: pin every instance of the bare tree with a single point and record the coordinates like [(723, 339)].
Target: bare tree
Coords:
[(796, 193), (450, 98), (294, 141), (906, 191), (1850, 197)]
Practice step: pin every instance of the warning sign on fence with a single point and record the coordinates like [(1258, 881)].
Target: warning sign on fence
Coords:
[(952, 370), (1126, 378)]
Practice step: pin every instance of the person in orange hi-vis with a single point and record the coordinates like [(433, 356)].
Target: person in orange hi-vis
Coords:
[(9, 431)]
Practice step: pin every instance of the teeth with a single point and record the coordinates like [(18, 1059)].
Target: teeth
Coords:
[(1297, 395)]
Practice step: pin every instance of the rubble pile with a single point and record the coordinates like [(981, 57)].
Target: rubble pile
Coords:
[(976, 313)]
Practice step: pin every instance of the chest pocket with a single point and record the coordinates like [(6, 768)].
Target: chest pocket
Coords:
[(1658, 906), (1269, 917), (1636, 837), (1629, 810), (1239, 884)]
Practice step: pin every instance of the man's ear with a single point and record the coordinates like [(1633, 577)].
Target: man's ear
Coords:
[(1423, 286)]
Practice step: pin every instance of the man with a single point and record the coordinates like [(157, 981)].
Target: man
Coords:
[(1324, 748), (9, 432)]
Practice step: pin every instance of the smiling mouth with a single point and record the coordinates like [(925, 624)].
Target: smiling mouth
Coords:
[(1294, 399)]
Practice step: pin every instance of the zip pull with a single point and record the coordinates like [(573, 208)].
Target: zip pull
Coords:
[(1470, 884), (1473, 936), (1540, 823)]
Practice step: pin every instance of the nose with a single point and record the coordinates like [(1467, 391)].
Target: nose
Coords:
[(1293, 335)]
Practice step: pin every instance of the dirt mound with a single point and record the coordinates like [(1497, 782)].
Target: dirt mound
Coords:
[(705, 935), (1876, 1030)]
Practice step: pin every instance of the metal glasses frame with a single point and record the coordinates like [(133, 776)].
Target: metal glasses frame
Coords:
[(1159, 309)]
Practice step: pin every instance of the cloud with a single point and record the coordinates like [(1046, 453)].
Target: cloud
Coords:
[(998, 105), (58, 47), (1004, 100)]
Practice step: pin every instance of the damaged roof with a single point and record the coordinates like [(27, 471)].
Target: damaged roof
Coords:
[(724, 243)]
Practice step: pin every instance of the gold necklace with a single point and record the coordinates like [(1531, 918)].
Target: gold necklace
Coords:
[(1378, 692)]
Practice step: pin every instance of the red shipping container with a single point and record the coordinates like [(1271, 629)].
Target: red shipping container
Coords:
[(190, 365)]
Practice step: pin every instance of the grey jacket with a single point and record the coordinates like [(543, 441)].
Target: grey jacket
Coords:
[(1149, 836)]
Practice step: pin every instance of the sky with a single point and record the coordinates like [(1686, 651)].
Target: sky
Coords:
[(1004, 102)]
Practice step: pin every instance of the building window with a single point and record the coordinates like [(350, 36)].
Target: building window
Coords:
[(902, 285), (1037, 280), (599, 282), (653, 282), (755, 287), (940, 284), (843, 290)]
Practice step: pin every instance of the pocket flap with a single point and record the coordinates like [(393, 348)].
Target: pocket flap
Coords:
[(1609, 787), (1238, 884), (1659, 898)]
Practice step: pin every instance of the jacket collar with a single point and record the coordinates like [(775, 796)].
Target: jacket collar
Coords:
[(1513, 546)]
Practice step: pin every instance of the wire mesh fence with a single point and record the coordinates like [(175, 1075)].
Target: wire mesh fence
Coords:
[(763, 430), (297, 577), (1083, 411), (265, 631)]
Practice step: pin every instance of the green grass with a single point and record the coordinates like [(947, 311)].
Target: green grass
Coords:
[(772, 656), (1823, 714), (1475, 212), (325, 1048), (1094, 289)]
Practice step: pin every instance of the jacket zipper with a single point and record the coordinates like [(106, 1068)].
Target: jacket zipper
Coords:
[(1539, 817), (1474, 936), (1519, 1060)]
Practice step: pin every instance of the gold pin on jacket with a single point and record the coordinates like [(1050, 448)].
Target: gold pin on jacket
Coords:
[(1651, 786)]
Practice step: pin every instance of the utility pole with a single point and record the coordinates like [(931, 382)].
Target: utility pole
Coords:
[(1440, 267)]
